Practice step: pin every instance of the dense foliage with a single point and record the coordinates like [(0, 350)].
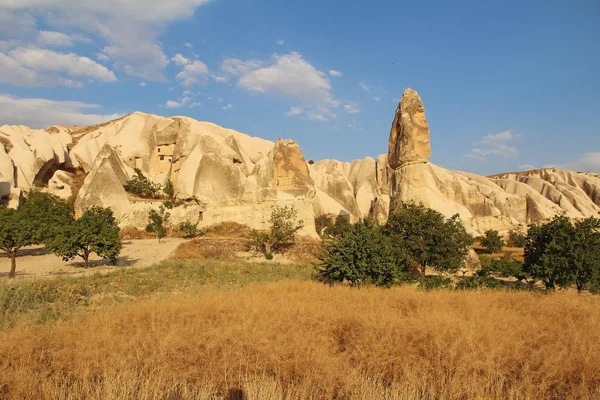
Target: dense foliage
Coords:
[(283, 225), (143, 187), (189, 230), (13, 235), (492, 242), (427, 238), (96, 231), (516, 239), (363, 255), (562, 253)]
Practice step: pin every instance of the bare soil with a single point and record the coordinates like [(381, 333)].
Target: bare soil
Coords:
[(35, 261)]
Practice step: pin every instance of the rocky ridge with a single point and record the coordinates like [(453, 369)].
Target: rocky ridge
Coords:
[(223, 175)]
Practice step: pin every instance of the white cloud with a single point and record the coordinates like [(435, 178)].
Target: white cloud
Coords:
[(335, 73), (54, 39), (129, 29), (188, 45), (351, 109), (143, 84), (42, 113), (291, 76), (180, 59), (220, 79), (587, 162), (15, 24), (377, 98), (236, 67), (352, 125), (364, 87), (494, 145), (281, 42), (311, 113), (173, 104), (195, 104), (227, 107), (102, 57), (30, 66), (193, 74)]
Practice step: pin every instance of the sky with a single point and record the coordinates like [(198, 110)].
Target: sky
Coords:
[(507, 85)]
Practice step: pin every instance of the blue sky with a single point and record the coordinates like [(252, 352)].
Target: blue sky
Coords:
[(507, 85)]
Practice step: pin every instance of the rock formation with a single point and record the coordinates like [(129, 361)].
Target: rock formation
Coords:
[(223, 175), (409, 136)]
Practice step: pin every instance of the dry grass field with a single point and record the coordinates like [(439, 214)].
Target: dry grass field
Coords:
[(297, 339)]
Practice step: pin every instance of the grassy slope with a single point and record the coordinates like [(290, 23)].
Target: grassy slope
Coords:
[(208, 330)]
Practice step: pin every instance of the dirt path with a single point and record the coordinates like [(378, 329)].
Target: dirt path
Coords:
[(34, 261)]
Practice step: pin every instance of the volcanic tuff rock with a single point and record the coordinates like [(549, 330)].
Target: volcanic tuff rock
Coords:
[(223, 175), (409, 136)]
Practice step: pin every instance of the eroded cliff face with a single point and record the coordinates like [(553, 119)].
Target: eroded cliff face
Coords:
[(223, 175)]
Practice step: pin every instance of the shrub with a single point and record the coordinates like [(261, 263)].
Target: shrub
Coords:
[(427, 238), (283, 227), (323, 224), (492, 242), (169, 190), (504, 267), (361, 256), (340, 227), (189, 230), (143, 187), (477, 282), (157, 221), (434, 282), (516, 239)]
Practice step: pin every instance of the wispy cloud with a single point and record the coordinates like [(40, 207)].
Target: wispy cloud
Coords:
[(496, 145), (227, 107), (335, 73)]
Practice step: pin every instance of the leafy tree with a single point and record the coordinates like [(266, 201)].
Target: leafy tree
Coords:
[(45, 215), (560, 253), (13, 235), (340, 227), (505, 267), (169, 190), (516, 239), (157, 221), (284, 224), (190, 230), (428, 238), (142, 186), (363, 255), (96, 231), (492, 242)]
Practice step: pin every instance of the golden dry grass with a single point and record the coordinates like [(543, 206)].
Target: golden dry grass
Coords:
[(294, 340)]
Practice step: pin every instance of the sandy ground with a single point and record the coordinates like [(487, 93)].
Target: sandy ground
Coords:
[(34, 261)]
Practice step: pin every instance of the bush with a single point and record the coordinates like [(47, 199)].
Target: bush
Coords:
[(283, 227), (363, 255), (516, 239), (504, 267), (169, 190), (143, 187), (340, 227), (434, 282), (323, 224), (189, 230), (157, 222), (492, 242)]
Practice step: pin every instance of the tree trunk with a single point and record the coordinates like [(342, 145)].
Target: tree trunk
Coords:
[(86, 256), (423, 268), (268, 248), (13, 263)]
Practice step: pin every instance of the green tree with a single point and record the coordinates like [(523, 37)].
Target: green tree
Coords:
[(284, 224), (560, 253), (362, 255), (13, 235), (492, 242), (323, 223), (157, 222), (428, 239), (142, 186), (340, 227), (96, 231), (45, 215)]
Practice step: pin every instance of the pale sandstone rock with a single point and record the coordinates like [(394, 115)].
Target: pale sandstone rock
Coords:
[(61, 184), (409, 136)]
